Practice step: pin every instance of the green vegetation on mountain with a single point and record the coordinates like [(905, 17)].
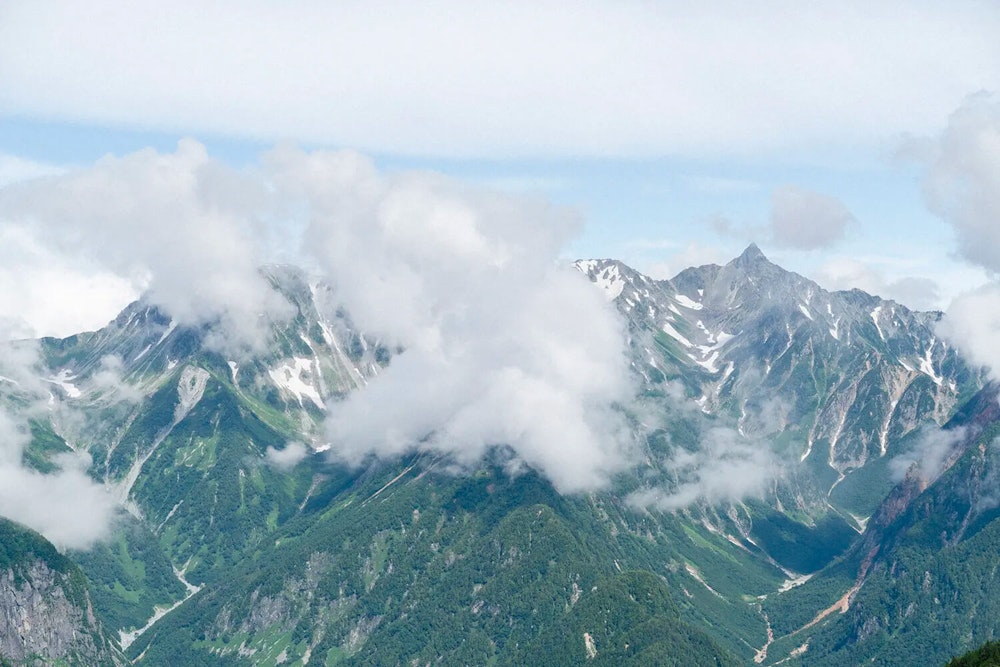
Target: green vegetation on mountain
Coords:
[(987, 655), (418, 560)]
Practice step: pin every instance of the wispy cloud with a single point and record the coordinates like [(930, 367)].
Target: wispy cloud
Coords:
[(807, 220), (726, 467), (844, 273), (929, 454)]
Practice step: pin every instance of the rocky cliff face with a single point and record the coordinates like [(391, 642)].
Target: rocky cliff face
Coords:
[(841, 376), (46, 617)]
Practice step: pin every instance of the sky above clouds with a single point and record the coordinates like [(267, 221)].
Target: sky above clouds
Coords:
[(406, 150)]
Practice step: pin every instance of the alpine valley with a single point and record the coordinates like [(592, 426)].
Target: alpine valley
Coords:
[(856, 521)]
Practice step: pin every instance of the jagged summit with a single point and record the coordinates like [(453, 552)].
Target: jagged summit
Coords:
[(752, 255)]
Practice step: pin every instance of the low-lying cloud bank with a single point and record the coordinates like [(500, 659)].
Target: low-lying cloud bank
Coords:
[(502, 342), (66, 506), (727, 467)]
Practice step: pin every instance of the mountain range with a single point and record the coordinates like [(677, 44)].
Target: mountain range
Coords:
[(815, 483)]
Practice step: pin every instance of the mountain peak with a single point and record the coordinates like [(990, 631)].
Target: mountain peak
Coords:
[(752, 255)]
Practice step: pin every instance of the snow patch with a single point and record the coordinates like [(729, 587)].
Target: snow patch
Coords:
[(688, 302), (295, 378), (62, 380), (874, 315), (805, 311), (673, 333), (168, 331), (610, 281), (927, 365)]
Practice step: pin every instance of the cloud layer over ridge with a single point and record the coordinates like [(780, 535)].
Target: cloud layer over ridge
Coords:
[(502, 342)]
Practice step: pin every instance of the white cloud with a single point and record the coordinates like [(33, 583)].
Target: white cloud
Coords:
[(503, 344), (495, 79), (14, 169), (929, 454), (845, 273), (972, 324), (288, 457), (108, 379), (53, 291), (726, 467), (66, 506), (807, 220), (962, 183), (180, 225)]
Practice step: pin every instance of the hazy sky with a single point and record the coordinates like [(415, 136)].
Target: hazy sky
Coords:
[(676, 134)]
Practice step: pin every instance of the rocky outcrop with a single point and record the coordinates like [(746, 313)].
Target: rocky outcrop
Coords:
[(46, 618)]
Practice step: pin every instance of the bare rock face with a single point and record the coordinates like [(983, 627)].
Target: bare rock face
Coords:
[(45, 612)]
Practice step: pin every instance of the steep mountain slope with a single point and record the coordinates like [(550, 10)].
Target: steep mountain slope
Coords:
[(180, 433), (392, 567), (987, 655), (832, 379), (921, 584), (46, 615), (243, 544)]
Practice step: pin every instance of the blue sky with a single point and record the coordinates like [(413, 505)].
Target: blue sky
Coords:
[(672, 132)]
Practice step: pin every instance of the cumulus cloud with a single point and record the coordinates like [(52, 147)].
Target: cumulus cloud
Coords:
[(496, 79), (287, 458), (962, 185), (502, 343), (14, 169), (66, 506), (726, 467), (180, 225), (57, 292), (807, 220), (972, 324), (929, 454)]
